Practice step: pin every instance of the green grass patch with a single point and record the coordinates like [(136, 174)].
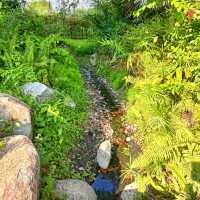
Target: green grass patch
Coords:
[(81, 47)]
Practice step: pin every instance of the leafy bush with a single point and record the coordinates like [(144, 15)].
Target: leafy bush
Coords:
[(56, 127), (163, 102), (159, 58), (106, 19)]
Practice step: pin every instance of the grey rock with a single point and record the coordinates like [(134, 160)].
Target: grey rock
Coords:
[(72, 189), (81, 168), (23, 129), (129, 192), (104, 154), (16, 115), (38, 90)]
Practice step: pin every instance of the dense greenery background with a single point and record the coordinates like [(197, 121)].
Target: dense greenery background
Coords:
[(150, 53)]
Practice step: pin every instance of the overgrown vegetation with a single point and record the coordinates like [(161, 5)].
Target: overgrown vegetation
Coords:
[(161, 56), (29, 53), (150, 51)]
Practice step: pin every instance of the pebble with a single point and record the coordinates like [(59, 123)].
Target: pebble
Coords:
[(81, 169)]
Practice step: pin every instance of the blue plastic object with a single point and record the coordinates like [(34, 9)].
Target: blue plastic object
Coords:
[(102, 185)]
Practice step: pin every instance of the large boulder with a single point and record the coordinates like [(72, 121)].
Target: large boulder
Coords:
[(16, 115), (19, 171), (38, 90), (72, 189), (104, 154)]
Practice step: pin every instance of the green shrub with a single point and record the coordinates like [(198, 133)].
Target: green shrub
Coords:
[(56, 127), (163, 103)]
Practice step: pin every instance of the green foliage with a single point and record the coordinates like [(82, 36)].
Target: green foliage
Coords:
[(157, 59), (163, 102), (28, 57), (10, 4), (107, 18), (180, 6), (160, 61), (114, 76), (113, 48), (57, 132), (81, 47)]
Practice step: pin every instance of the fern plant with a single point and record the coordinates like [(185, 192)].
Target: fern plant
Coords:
[(169, 146), (163, 101)]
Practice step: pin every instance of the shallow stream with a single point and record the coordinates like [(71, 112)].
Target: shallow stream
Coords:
[(110, 112)]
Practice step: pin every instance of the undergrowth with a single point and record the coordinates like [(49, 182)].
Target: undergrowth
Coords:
[(161, 58), (28, 55), (152, 55)]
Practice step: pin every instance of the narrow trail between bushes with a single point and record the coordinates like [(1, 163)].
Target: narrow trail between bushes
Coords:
[(99, 127)]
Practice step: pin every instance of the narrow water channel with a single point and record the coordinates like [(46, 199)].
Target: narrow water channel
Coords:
[(104, 122), (108, 105)]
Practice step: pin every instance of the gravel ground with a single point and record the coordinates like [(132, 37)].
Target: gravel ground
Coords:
[(96, 130)]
